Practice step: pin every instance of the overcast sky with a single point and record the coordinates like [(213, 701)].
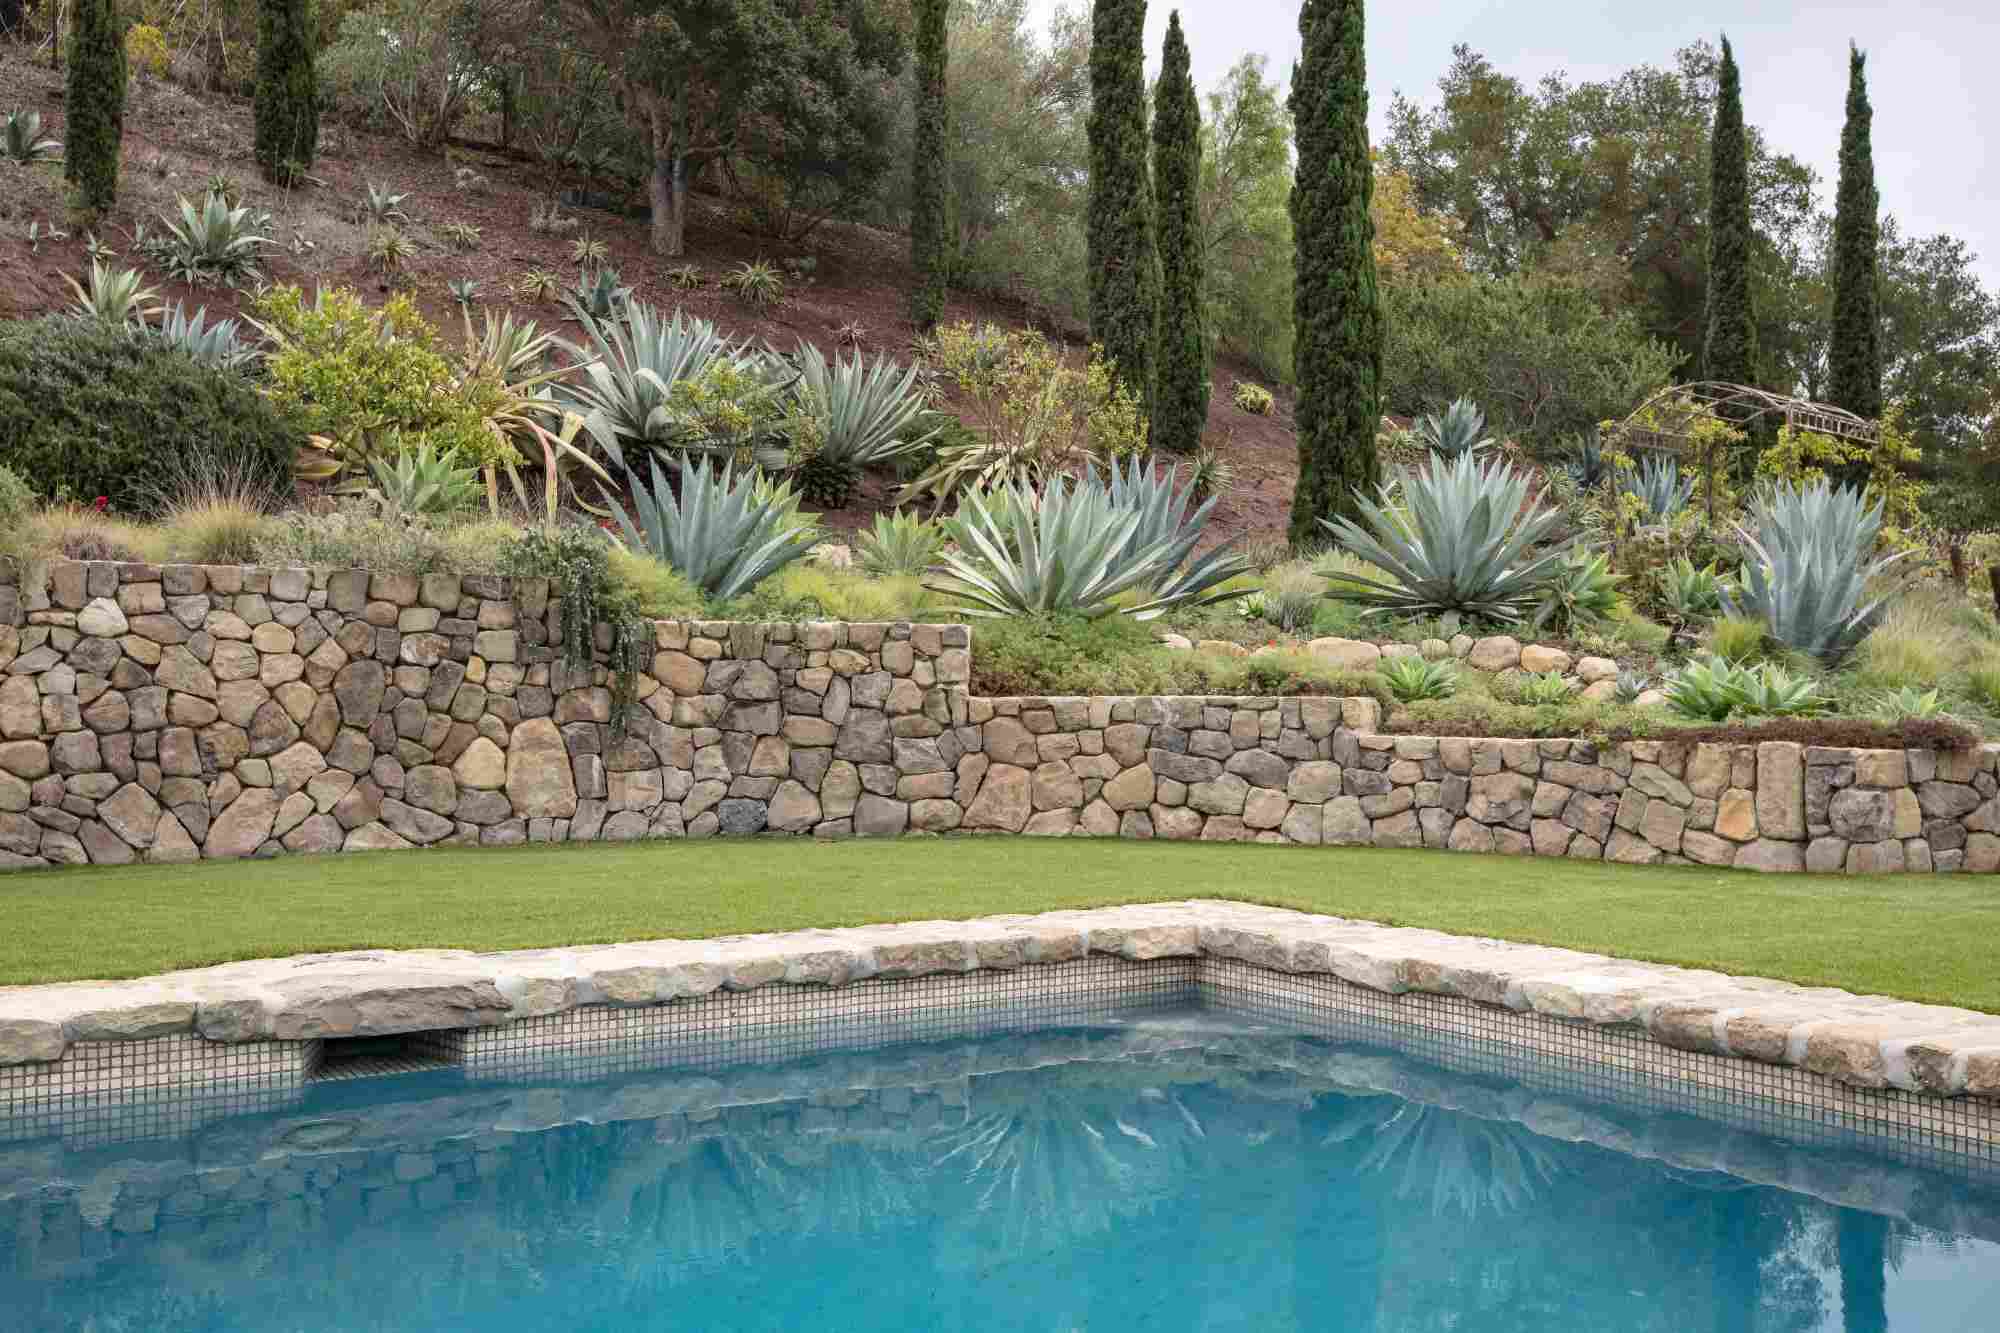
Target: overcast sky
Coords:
[(1931, 74)]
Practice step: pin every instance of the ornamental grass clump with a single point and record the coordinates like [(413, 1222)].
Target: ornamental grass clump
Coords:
[(1459, 543), (1808, 574)]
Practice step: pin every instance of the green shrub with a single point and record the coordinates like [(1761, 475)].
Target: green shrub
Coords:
[(653, 590), (808, 591), (87, 410), (1982, 682), (371, 383), (357, 536), (16, 500), (1253, 398)]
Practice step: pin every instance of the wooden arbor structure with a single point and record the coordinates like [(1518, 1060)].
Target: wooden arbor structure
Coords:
[(1669, 422)]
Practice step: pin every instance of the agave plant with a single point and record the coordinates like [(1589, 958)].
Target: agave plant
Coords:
[(1459, 546), (599, 295), (460, 235), (1808, 575), (508, 370), (1586, 464), (724, 533), (215, 242), (1075, 548), (1411, 678), (1706, 689), (1541, 688), (898, 544), (1162, 505), (465, 291), (389, 249), (863, 414), (1581, 590), (1690, 592), (1661, 488), (755, 284), (115, 296), (1459, 430), (218, 344), (1771, 691), (1630, 685), (1900, 705), (379, 207), (21, 139), (425, 480), (636, 362)]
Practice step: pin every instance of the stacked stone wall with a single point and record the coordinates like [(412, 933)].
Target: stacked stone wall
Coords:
[(168, 713)]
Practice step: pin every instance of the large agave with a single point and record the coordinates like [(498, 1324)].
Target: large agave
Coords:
[(1808, 575), (1459, 430), (1660, 487), (21, 141), (216, 344), (864, 415), (636, 361), (1162, 506), (724, 533), (1077, 549), (214, 241), (1459, 544), (425, 480)]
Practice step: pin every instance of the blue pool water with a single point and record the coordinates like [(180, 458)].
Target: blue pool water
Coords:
[(1182, 1171)]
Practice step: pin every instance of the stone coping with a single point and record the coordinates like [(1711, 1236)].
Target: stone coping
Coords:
[(1861, 1040)]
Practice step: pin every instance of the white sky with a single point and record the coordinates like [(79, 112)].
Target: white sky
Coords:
[(1930, 74)]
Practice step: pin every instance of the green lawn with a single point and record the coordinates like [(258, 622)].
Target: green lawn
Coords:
[(1922, 936)]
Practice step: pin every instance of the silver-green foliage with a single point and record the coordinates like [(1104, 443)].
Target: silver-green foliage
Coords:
[(636, 360), (425, 480), (115, 295), (1459, 430), (219, 344), (1907, 702), (1074, 548), (864, 414), (1161, 503), (1412, 678), (1691, 592), (1713, 689), (898, 544), (21, 139), (1542, 687), (1458, 544), (1808, 575), (1661, 488), (214, 242), (723, 532), (1581, 590)]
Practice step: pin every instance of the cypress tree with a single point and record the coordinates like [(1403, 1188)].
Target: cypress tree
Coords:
[(1336, 309), (1854, 352), (927, 196), (287, 94), (1729, 352), (1124, 269), (95, 103), (1180, 409)]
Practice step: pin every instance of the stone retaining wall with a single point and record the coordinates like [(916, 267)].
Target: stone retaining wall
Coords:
[(173, 712)]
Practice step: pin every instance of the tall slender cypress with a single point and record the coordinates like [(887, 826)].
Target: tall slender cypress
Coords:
[(287, 93), (1124, 268), (1180, 409), (94, 103), (1729, 352), (1854, 352), (927, 194), (1336, 309)]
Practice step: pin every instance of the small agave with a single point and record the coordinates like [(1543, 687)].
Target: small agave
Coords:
[(1459, 430)]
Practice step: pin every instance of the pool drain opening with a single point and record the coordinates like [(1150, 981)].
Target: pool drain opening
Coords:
[(375, 1057)]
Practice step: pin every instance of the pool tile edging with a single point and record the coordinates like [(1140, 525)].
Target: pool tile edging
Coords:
[(1862, 1041)]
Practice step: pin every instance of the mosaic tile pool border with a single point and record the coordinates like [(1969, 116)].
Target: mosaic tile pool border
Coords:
[(1621, 1066), (151, 1086)]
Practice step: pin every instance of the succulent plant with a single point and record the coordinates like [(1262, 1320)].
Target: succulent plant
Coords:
[(1457, 431), (898, 544), (1412, 678), (114, 295), (426, 480), (636, 362), (21, 139), (724, 532), (863, 417), (1661, 488), (1808, 574), (218, 344), (1458, 544)]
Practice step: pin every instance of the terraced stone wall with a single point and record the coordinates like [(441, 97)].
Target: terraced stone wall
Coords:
[(173, 712)]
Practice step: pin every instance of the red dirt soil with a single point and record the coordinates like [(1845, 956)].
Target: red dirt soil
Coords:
[(175, 140)]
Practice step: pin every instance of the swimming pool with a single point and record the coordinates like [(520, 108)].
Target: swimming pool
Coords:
[(1177, 1165)]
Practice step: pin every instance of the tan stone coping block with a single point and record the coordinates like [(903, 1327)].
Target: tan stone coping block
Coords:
[(1866, 1041)]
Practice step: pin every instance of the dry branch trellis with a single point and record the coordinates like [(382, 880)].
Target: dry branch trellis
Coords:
[(1669, 422)]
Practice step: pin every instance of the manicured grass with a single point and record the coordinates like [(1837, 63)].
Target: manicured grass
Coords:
[(1921, 936)]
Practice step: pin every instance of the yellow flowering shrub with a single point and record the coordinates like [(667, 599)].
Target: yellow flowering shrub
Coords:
[(1800, 457), (146, 51)]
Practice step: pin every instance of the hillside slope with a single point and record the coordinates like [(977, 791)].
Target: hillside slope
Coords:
[(176, 142)]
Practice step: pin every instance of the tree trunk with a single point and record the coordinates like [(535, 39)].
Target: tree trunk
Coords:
[(1993, 573), (666, 186)]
